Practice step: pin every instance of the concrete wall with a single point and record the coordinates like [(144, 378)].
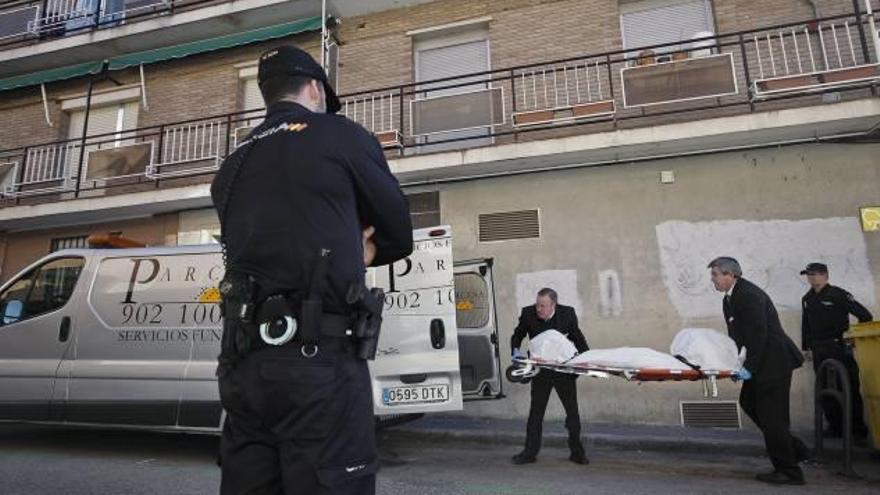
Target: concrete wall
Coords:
[(607, 218)]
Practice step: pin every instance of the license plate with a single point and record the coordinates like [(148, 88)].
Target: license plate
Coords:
[(415, 394)]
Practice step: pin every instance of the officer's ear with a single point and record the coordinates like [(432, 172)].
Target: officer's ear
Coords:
[(316, 95)]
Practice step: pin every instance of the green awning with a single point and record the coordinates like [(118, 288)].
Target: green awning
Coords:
[(50, 75), (219, 43), (167, 53)]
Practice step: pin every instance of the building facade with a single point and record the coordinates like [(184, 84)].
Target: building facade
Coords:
[(607, 148)]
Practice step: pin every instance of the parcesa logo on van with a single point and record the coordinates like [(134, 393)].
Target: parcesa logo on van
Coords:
[(175, 291)]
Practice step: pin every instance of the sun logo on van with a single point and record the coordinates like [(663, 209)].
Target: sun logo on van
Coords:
[(209, 295), (464, 305)]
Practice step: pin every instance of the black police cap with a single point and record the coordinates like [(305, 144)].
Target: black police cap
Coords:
[(291, 61), (815, 268)]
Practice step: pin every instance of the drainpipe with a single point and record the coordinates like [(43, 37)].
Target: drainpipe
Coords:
[(324, 35), (85, 134)]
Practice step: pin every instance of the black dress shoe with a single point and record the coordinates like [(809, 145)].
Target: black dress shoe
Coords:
[(579, 459), (523, 458), (778, 478)]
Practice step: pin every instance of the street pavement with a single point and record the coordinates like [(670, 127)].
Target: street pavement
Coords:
[(426, 457)]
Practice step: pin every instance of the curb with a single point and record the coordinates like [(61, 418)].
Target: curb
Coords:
[(591, 440)]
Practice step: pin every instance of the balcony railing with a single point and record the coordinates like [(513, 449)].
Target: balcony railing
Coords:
[(29, 21), (740, 69), (737, 72)]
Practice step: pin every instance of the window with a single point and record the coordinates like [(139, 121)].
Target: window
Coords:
[(252, 98), (117, 10), (8, 170), (40, 291), (449, 53), (105, 120), (12, 300), (654, 22), (250, 101), (108, 155), (471, 301), (77, 242)]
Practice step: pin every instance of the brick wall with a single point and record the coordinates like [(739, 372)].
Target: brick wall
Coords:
[(741, 15), (377, 52), (176, 90), (23, 248)]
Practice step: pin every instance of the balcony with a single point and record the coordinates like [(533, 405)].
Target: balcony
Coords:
[(35, 34), (761, 72)]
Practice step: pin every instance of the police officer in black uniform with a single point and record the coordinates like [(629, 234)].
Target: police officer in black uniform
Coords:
[(825, 319), (304, 204)]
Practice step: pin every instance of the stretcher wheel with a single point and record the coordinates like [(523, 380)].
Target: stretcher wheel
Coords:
[(515, 379)]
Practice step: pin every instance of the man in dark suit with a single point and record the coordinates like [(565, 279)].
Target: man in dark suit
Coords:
[(771, 357), (546, 314)]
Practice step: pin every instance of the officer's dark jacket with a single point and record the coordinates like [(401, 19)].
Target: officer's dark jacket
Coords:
[(564, 321), (826, 314), (753, 323), (310, 183)]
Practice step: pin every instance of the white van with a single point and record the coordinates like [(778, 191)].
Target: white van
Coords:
[(131, 336)]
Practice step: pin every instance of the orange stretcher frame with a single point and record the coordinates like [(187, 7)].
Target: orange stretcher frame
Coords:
[(526, 368)]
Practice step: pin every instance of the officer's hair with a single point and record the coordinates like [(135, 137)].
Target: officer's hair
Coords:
[(727, 266), (280, 88), (548, 292)]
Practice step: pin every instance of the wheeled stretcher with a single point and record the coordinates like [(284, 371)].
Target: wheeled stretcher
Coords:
[(524, 369)]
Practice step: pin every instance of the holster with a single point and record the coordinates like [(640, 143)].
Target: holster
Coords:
[(367, 306), (238, 307)]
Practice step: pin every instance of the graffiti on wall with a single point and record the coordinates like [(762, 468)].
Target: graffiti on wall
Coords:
[(772, 253)]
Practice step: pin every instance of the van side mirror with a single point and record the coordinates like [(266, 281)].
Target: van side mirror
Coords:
[(12, 313)]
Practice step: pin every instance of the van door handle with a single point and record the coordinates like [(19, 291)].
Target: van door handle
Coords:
[(438, 334), (64, 329)]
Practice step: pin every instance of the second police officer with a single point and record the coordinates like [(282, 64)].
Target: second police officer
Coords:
[(305, 203), (825, 319)]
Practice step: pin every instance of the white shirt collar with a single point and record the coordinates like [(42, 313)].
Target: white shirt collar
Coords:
[(730, 290)]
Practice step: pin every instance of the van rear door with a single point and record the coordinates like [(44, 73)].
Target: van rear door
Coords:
[(416, 369), (477, 325)]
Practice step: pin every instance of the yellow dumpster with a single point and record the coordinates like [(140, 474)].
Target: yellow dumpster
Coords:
[(866, 339)]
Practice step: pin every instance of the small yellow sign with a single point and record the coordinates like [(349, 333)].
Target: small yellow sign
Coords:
[(870, 218)]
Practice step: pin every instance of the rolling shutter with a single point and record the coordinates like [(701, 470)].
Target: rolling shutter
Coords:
[(650, 22)]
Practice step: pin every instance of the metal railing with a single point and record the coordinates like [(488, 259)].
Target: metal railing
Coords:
[(787, 61), (737, 72), (29, 21)]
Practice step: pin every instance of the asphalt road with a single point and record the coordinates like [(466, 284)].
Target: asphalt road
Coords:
[(48, 460)]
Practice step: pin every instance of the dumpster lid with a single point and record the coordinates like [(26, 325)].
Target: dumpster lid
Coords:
[(866, 329)]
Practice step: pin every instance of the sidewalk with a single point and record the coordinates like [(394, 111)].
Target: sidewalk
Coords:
[(603, 435)]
